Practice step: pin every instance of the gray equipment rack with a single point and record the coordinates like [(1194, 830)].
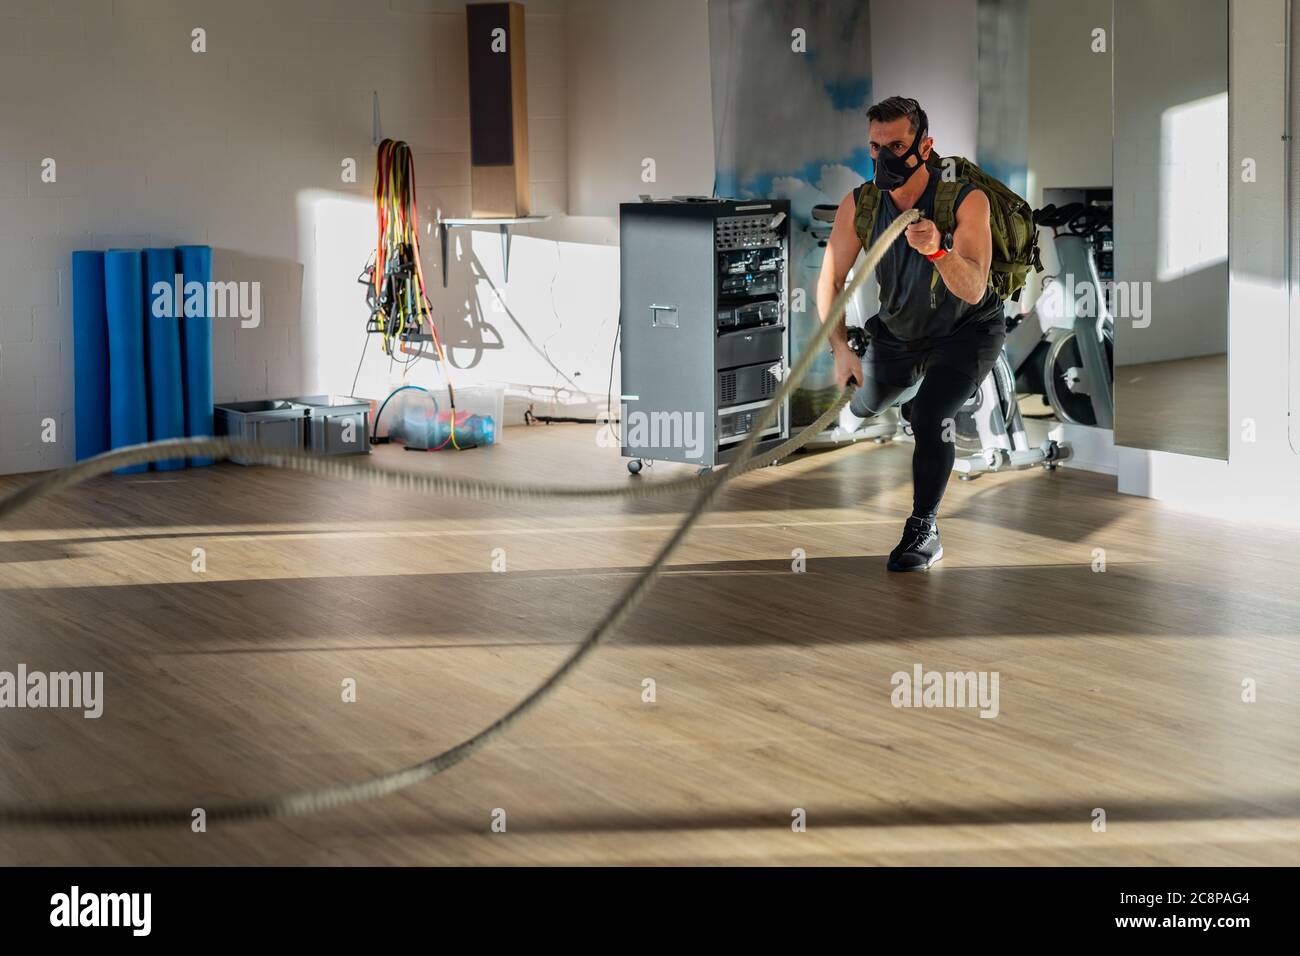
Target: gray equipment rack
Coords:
[(704, 325)]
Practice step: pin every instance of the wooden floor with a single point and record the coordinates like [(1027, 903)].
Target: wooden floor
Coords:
[(1119, 690)]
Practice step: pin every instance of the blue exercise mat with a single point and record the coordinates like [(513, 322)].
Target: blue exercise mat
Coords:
[(163, 349), (128, 397), (196, 346), (90, 354)]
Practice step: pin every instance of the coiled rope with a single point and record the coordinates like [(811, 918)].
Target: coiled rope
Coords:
[(304, 802)]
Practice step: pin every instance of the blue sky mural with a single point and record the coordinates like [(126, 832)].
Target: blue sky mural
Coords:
[(791, 85), (790, 123)]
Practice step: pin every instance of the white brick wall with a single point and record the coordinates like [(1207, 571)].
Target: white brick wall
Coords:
[(638, 87), (157, 145)]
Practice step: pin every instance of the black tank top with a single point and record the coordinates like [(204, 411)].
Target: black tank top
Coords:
[(914, 302)]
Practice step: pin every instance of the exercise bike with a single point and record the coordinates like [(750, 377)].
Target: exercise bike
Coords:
[(989, 431), (1057, 350)]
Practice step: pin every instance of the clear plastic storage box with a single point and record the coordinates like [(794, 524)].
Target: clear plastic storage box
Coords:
[(421, 419)]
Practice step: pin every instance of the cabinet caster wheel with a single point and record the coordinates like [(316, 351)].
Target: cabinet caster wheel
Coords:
[(634, 466), (1049, 466)]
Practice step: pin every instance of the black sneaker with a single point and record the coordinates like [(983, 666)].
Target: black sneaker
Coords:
[(919, 549)]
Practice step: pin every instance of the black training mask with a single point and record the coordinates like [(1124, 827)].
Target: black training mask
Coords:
[(892, 171)]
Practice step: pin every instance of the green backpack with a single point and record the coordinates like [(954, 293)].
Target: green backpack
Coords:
[(1011, 221)]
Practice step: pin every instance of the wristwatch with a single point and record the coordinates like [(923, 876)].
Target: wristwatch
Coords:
[(945, 247), (856, 339)]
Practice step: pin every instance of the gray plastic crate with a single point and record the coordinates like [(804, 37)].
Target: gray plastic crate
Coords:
[(277, 422), (336, 424)]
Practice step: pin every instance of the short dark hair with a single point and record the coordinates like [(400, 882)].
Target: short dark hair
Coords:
[(896, 107)]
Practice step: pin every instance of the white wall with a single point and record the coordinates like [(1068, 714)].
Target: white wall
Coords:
[(1069, 108), (1069, 97), (240, 147), (928, 50), (639, 88)]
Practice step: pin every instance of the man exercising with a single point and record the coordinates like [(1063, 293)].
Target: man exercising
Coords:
[(939, 320)]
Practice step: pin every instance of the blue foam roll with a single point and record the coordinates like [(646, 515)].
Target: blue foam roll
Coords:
[(90, 354), (163, 349), (196, 346), (128, 418)]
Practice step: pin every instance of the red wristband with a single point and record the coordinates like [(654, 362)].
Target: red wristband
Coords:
[(937, 254)]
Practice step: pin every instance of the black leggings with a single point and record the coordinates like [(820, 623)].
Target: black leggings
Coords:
[(950, 369)]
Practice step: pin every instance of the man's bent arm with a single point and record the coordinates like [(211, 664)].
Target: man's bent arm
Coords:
[(965, 270)]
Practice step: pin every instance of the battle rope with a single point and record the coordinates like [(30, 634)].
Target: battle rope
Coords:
[(304, 802)]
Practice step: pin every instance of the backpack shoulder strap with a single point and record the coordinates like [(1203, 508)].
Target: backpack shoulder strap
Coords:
[(867, 197), (945, 205), (947, 192)]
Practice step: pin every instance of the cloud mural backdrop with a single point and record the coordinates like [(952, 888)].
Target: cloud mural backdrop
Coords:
[(791, 85)]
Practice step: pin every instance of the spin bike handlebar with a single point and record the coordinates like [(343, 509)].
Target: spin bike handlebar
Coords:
[(1079, 219)]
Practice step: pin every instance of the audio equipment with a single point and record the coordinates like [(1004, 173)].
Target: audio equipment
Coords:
[(704, 330)]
